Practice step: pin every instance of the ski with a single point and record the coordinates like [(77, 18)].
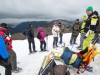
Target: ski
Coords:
[(42, 65)]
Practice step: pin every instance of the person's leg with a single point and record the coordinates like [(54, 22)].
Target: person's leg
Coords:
[(71, 38), (8, 69), (29, 41), (33, 43), (87, 41), (44, 45), (82, 39), (7, 66), (54, 42), (41, 45), (12, 59)]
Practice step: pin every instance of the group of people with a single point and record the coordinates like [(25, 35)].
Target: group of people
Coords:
[(57, 31), (88, 28)]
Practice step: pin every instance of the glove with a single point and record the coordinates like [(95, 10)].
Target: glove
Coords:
[(5, 61), (72, 31), (46, 34), (85, 37), (88, 33), (99, 34)]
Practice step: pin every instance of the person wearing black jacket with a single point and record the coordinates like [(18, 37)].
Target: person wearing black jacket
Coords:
[(29, 33)]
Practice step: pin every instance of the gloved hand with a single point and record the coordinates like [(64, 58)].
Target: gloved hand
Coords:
[(5, 61), (99, 34), (88, 33), (72, 31), (46, 34), (85, 37)]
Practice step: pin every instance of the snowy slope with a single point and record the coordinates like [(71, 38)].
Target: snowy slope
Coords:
[(32, 63)]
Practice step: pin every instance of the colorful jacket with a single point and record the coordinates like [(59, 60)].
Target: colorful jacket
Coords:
[(91, 22), (42, 34), (7, 38), (82, 27), (3, 51)]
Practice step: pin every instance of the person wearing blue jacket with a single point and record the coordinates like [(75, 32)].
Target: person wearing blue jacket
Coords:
[(4, 57)]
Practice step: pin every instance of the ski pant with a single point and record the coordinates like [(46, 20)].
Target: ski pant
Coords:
[(55, 41), (73, 38), (7, 66), (41, 45), (12, 58), (61, 35), (82, 39), (31, 40), (87, 41)]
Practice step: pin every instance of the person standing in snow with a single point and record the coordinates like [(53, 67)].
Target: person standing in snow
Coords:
[(82, 33), (55, 32), (61, 32), (8, 42), (42, 39), (75, 32), (90, 28), (4, 57), (29, 33)]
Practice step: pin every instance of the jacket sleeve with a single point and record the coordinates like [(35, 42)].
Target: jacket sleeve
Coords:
[(3, 51)]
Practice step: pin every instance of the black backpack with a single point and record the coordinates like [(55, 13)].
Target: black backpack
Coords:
[(27, 33), (38, 35)]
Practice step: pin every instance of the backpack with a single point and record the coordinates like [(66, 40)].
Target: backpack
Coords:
[(27, 33), (38, 35), (98, 27), (61, 70)]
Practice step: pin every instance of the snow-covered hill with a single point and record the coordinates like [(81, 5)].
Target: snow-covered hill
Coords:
[(32, 63)]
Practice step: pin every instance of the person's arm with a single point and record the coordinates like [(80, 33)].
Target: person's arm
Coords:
[(3, 51)]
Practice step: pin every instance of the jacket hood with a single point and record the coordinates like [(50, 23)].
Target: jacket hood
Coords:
[(3, 29), (40, 29)]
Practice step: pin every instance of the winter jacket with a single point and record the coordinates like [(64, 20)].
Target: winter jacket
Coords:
[(91, 22), (82, 27), (61, 29), (42, 34), (7, 38), (55, 31), (3, 51), (29, 33), (76, 27)]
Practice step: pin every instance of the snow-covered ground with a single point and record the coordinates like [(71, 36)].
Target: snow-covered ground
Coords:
[(32, 63)]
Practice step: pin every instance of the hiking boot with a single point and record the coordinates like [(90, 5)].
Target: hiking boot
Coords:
[(78, 47), (35, 51), (17, 70)]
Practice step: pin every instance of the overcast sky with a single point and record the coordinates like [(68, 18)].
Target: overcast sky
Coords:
[(16, 11)]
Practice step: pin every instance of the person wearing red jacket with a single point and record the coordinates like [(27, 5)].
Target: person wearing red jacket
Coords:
[(8, 42)]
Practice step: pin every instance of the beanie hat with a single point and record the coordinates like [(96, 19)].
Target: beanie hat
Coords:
[(77, 19), (84, 18), (4, 25), (59, 22), (90, 8)]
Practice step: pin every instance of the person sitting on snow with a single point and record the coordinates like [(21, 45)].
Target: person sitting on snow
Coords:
[(8, 42)]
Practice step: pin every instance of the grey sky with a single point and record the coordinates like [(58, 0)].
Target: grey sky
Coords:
[(16, 11)]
